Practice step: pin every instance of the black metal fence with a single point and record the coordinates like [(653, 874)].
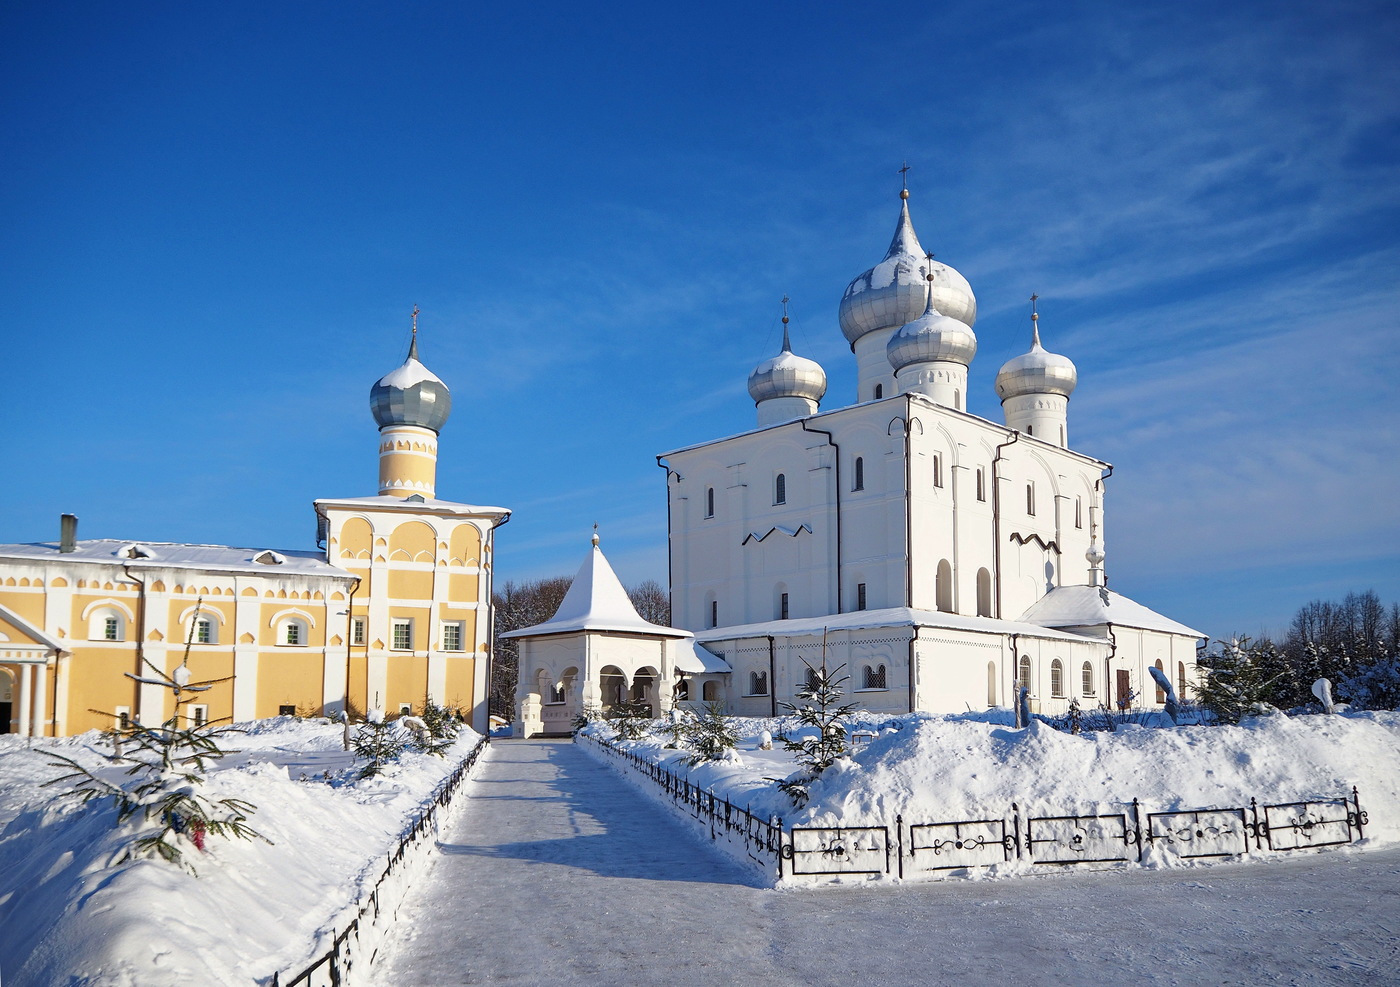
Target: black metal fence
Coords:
[(349, 945), (930, 848)]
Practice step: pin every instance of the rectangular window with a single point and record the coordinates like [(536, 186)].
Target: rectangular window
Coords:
[(293, 632), (783, 607), (123, 717), (1079, 512), (110, 629), (860, 596), (357, 631), (204, 631), (405, 709), (709, 501), (1030, 499), (859, 483), (199, 716), (938, 471), (452, 635), (780, 489), (402, 635), (981, 485), (714, 613), (287, 709)]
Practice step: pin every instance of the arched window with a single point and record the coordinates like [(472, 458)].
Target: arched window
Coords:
[(943, 586), (709, 692), (879, 391), (874, 676), (709, 501), (860, 474), (782, 606), (809, 680), (991, 683), (1023, 673), (780, 489), (984, 593), (1086, 678), (1181, 680), (1030, 429), (1030, 498), (206, 631), (1161, 693), (106, 624), (714, 613), (1057, 678), (938, 471), (758, 683), (957, 399), (1062, 436), (293, 633)]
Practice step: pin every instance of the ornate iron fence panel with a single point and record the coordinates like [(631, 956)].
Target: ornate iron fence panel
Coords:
[(1192, 833), (949, 846), (1314, 823), (1096, 839), (837, 850)]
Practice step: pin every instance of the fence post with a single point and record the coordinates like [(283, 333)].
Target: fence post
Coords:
[(899, 832)]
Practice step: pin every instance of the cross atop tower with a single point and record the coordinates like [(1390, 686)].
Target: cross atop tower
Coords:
[(1035, 316), (414, 316), (904, 181)]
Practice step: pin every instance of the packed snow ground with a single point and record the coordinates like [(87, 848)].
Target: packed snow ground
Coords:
[(933, 769), (556, 872), (67, 916)]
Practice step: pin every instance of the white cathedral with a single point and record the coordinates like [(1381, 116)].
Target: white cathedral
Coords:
[(943, 559)]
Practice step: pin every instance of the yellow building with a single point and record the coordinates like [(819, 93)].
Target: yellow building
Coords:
[(395, 609)]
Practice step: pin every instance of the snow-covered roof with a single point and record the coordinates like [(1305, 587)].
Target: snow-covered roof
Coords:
[(173, 555), (696, 659), (1095, 606), (596, 601), (891, 617), (424, 505), (8, 616)]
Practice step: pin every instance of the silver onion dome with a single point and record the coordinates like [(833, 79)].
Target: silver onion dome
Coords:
[(931, 338), (787, 375), (1036, 372), (895, 291), (411, 395)]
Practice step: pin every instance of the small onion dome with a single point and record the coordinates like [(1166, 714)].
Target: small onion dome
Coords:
[(411, 395), (787, 375), (1036, 372), (895, 291), (931, 338)]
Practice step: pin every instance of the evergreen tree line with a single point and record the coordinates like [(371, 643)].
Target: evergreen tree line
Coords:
[(533, 602), (1354, 644)]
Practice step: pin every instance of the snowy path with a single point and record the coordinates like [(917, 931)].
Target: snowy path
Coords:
[(558, 872)]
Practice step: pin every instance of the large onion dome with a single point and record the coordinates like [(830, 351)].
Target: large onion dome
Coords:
[(896, 290), (787, 375), (411, 395), (1036, 372), (931, 338)]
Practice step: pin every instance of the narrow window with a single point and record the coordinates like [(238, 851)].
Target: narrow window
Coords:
[(1161, 693), (111, 629), (1086, 675), (875, 677), (1023, 673), (984, 593), (860, 596), (981, 484), (943, 586), (402, 635), (938, 471), (758, 683), (860, 474), (809, 682), (1062, 436), (879, 391), (783, 607), (714, 613), (780, 489), (287, 709), (294, 635), (991, 683), (204, 632), (452, 636), (1030, 499), (957, 399), (1030, 429), (1057, 678), (709, 501), (357, 631), (1079, 512), (1181, 680), (123, 717)]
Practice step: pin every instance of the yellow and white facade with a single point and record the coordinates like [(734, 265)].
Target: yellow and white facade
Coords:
[(397, 607)]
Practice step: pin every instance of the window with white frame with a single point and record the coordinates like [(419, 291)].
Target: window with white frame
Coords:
[(780, 489), (452, 635), (874, 676), (205, 631), (123, 717), (107, 624), (1023, 673), (1086, 675), (401, 634), (198, 714), (405, 709), (758, 683), (1057, 678), (294, 632), (357, 630)]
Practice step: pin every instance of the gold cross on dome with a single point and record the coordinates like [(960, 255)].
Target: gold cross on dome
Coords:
[(904, 175)]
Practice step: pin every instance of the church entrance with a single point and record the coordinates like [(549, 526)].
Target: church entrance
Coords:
[(1123, 691), (5, 715)]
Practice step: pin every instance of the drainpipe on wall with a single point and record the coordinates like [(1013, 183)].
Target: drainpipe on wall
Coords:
[(996, 519), (670, 603), (1016, 678), (140, 629), (909, 507), (913, 639), (840, 595), (1108, 663), (1098, 489)]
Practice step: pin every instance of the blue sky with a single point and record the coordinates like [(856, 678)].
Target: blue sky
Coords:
[(215, 219)]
